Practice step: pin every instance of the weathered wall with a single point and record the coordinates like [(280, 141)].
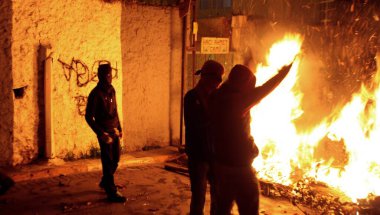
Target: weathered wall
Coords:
[(88, 31), (6, 97), (151, 75), (143, 44)]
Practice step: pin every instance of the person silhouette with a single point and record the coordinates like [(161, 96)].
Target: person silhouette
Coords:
[(234, 147), (198, 147), (102, 117)]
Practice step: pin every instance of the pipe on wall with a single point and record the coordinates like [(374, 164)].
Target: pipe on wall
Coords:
[(183, 69), (49, 126)]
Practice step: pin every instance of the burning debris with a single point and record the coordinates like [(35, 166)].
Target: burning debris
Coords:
[(310, 196), (320, 198), (351, 129)]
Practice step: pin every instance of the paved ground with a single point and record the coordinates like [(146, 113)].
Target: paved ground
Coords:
[(149, 188)]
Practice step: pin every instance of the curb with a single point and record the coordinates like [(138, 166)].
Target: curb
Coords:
[(47, 170)]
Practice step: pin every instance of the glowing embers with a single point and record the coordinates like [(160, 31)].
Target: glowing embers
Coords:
[(342, 151)]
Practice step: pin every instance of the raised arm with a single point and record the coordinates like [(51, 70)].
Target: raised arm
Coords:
[(261, 92)]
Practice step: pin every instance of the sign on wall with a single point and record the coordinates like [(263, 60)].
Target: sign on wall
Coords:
[(215, 45)]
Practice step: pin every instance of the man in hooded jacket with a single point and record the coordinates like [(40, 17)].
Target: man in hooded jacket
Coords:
[(102, 117), (234, 146)]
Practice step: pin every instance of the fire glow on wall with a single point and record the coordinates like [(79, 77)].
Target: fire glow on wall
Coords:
[(288, 155)]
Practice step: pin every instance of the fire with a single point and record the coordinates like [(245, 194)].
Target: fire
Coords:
[(271, 126), (286, 152)]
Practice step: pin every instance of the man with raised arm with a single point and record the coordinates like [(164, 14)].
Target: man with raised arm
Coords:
[(234, 146)]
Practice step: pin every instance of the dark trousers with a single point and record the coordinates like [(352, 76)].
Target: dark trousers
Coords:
[(236, 184), (110, 156), (200, 172)]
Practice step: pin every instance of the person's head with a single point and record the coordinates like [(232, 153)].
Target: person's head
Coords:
[(241, 78), (105, 73), (211, 74)]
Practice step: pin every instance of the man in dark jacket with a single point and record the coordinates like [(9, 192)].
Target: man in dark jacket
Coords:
[(197, 122), (102, 116), (234, 146)]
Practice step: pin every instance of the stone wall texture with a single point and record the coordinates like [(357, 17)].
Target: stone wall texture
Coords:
[(6, 96), (143, 45), (151, 51), (83, 30)]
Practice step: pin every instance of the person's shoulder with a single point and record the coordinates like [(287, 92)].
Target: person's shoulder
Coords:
[(191, 93), (214, 94), (113, 89), (218, 92), (224, 93), (95, 91)]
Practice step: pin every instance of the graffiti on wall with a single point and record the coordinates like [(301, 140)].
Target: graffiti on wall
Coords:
[(82, 72), (81, 102), (84, 75)]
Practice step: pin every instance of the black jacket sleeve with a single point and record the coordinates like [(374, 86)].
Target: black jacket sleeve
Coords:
[(261, 92), (189, 109), (193, 124), (117, 116), (92, 104)]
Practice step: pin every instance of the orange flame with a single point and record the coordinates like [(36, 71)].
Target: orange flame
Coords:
[(284, 151)]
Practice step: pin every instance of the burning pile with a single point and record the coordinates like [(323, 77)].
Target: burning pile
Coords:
[(290, 157)]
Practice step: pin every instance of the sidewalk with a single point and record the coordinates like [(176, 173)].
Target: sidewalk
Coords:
[(60, 187), (57, 167)]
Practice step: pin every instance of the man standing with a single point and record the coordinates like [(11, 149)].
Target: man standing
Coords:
[(234, 146), (102, 116), (197, 123)]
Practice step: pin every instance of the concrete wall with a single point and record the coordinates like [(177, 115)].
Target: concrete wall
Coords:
[(6, 94), (88, 31), (143, 44), (151, 52)]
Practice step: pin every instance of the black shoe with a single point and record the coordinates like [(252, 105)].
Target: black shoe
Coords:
[(101, 184), (117, 197), (6, 184)]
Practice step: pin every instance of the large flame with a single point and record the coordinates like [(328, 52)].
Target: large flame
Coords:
[(284, 151)]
